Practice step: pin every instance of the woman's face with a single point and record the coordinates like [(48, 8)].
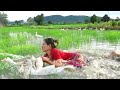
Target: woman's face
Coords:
[(45, 47)]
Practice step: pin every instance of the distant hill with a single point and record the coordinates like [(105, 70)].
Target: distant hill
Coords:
[(67, 19)]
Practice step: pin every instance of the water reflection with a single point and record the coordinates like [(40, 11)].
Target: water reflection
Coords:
[(95, 45)]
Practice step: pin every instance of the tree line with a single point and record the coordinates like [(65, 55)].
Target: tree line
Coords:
[(39, 20), (96, 19)]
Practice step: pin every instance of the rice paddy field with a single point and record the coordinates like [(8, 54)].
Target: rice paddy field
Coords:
[(22, 41)]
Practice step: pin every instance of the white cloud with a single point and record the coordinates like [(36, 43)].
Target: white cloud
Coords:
[(23, 15)]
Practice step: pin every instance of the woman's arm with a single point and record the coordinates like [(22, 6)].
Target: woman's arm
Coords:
[(57, 63)]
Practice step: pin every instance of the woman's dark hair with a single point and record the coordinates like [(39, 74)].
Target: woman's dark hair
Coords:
[(51, 41)]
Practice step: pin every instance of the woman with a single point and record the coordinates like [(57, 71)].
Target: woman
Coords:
[(55, 56)]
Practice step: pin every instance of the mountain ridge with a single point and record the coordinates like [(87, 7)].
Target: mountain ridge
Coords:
[(66, 19)]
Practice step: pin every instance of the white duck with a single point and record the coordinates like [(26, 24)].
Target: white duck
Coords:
[(35, 67), (19, 66), (38, 36), (51, 69), (37, 62), (10, 61)]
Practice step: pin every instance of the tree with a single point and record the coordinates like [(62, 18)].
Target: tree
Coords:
[(49, 22), (17, 22), (114, 23), (119, 23), (30, 21), (98, 19), (105, 18), (3, 19), (87, 21), (93, 19), (39, 19), (117, 19)]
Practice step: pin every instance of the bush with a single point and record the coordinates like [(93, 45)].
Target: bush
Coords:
[(119, 23), (114, 23)]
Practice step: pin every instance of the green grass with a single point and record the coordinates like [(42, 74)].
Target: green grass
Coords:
[(60, 26), (23, 50), (67, 38), (4, 56)]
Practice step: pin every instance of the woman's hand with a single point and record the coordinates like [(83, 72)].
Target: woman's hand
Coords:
[(45, 59), (57, 63)]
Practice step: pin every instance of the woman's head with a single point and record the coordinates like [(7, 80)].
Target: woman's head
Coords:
[(48, 44)]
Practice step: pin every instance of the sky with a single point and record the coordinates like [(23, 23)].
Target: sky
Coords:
[(23, 15)]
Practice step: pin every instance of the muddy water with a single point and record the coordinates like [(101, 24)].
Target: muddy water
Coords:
[(94, 45)]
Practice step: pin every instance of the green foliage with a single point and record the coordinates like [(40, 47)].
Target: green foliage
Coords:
[(119, 23), (49, 22), (23, 50), (117, 19), (39, 19), (19, 22), (105, 18), (114, 23), (94, 19), (87, 21), (3, 19), (30, 21), (4, 56)]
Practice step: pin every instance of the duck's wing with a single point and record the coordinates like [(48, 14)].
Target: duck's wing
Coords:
[(46, 70)]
